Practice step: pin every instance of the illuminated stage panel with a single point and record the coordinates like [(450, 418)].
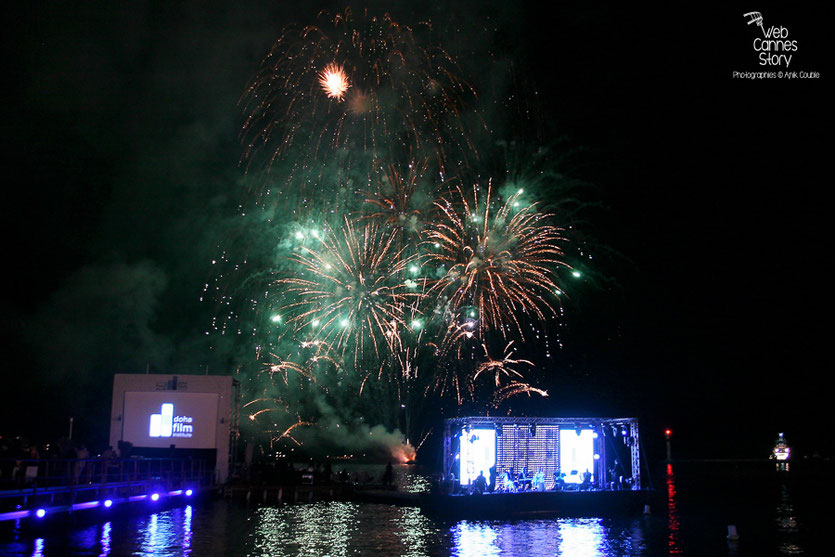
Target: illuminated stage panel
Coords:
[(518, 449), (576, 453), (478, 454)]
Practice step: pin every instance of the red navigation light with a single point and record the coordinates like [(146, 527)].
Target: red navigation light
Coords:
[(668, 433)]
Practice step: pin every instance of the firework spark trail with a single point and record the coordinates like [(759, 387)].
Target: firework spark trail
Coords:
[(455, 338), (500, 367), (258, 413), (266, 399), (501, 260), (286, 433), (449, 351), (283, 367), (515, 388), (322, 353), (276, 401), (402, 203), (351, 294)]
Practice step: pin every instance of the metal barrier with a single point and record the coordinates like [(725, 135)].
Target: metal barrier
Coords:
[(25, 483)]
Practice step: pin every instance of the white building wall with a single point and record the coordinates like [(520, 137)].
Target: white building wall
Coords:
[(221, 385)]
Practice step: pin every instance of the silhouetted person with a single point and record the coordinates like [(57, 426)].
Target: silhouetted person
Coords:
[(388, 476), (480, 483), (586, 480), (617, 474)]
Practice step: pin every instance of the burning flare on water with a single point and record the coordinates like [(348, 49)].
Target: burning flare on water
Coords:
[(404, 453)]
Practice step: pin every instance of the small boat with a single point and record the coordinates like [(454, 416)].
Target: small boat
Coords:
[(781, 451)]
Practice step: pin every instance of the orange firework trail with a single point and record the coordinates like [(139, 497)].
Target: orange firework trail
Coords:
[(515, 388), (286, 433), (446, 376), (499, 368), (284, 367), (266, 399), (500, 260), (284, 407), (258, 413), (402, 203)]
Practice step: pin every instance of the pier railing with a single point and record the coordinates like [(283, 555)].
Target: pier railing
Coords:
[(25, 482)]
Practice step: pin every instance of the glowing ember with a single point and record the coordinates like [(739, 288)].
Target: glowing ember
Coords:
[(334, 81)]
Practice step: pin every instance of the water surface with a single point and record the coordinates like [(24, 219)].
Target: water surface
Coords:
[(774, 515)]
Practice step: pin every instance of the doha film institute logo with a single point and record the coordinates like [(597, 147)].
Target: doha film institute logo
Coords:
[(166, 424)]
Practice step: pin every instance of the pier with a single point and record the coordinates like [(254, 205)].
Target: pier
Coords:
[(37, 488)]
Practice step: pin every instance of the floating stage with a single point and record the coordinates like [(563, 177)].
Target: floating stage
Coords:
[(574, 467), (504, 466)]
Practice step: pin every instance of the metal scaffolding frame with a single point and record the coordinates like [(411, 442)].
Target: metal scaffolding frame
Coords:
[(235, 424)]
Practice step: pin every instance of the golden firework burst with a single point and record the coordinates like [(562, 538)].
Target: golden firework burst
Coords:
[(334, 81)]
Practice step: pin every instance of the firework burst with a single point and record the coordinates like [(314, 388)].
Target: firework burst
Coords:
[(350, 293), (400, 99), (500, 260), (334, 81), (354, 120)]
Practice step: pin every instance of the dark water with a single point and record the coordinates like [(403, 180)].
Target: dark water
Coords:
[(775, 514)]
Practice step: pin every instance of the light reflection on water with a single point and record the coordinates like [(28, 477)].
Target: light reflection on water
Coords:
[(474, 540), (415, 532), (684, 522), (165, 533), (339, 529), (569, 537), (38, 552), (187, 529), (105, 539), (787, 527), (314, 529), (673, 523)]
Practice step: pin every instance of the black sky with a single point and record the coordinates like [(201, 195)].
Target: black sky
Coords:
[(712, 311)]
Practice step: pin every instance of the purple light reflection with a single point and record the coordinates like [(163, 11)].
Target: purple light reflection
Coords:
[(673, 523)]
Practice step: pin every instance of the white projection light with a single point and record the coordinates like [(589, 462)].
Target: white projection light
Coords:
[(478, 453)]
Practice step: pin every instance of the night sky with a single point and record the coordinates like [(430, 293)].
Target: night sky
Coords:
[(709, 307)]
